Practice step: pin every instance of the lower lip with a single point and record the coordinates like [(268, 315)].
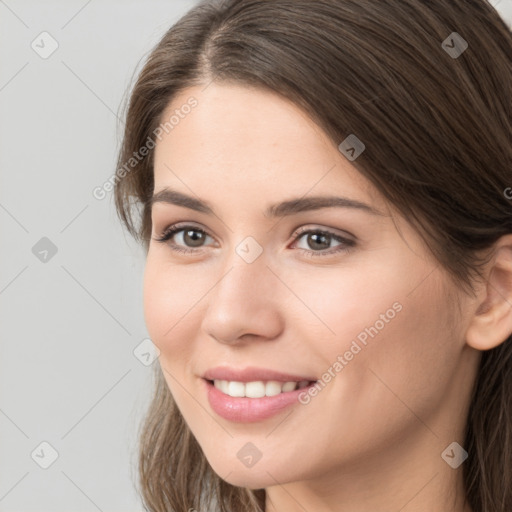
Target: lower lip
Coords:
[(244, 410)]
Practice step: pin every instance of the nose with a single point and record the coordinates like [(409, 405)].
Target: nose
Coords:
[(244, 304)]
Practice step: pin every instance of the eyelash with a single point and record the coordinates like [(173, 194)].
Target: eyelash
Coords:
[(170, 231)]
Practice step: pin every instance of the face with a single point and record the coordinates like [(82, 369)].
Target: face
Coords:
[(334, 294)]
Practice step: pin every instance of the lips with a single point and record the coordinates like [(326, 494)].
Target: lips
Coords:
[(245, 409), (251, 374), (224, 386)]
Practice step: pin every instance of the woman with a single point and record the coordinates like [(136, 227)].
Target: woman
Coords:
[(326, 209)]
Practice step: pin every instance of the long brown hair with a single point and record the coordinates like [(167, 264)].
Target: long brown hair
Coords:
[(434, 111)]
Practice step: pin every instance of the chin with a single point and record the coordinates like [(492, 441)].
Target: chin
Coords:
[(249, 481), (259, 476)]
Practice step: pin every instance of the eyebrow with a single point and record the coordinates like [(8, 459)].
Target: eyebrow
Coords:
[(282, 209)]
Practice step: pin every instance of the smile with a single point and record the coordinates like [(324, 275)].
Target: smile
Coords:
[(243, 409), (257, 389)]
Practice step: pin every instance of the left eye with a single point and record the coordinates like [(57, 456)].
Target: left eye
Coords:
[(319, 239)]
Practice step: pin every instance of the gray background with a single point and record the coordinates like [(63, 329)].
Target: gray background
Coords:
[(71, 320), (68, 326)]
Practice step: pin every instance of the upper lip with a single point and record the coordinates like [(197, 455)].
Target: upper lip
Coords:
[(251, 374)]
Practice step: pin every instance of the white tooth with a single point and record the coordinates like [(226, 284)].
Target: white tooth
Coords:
[(289, 386), (236, 389), (273, 388), (224, 386), (255, 389)]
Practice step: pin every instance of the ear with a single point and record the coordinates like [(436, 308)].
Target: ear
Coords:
[(491, 324)]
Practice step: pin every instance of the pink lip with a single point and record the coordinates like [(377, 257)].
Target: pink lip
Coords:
[(243, 409), (251, 374)]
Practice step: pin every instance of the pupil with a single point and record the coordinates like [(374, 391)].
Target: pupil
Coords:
[(196, 240), (323, 239)]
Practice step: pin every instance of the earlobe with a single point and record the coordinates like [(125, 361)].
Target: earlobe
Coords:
[(491, 324)]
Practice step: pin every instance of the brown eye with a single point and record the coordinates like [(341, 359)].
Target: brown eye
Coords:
[(193, 237), (318, 242)]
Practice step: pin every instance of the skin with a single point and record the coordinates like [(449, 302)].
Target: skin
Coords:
[(372, 438)]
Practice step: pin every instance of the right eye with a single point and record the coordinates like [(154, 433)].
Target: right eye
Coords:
[(189, 234)]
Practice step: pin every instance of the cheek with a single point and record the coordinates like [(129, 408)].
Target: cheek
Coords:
[(155, 302), (381, 337), (342, 303), (421, 352), (169, 295), (408, 356)]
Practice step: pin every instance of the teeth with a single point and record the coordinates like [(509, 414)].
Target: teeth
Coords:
[(272, 388), (236, 389), (253, 389), (257, 389), (289, 386)]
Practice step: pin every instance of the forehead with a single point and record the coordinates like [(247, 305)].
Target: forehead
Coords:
[(249, 142)]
